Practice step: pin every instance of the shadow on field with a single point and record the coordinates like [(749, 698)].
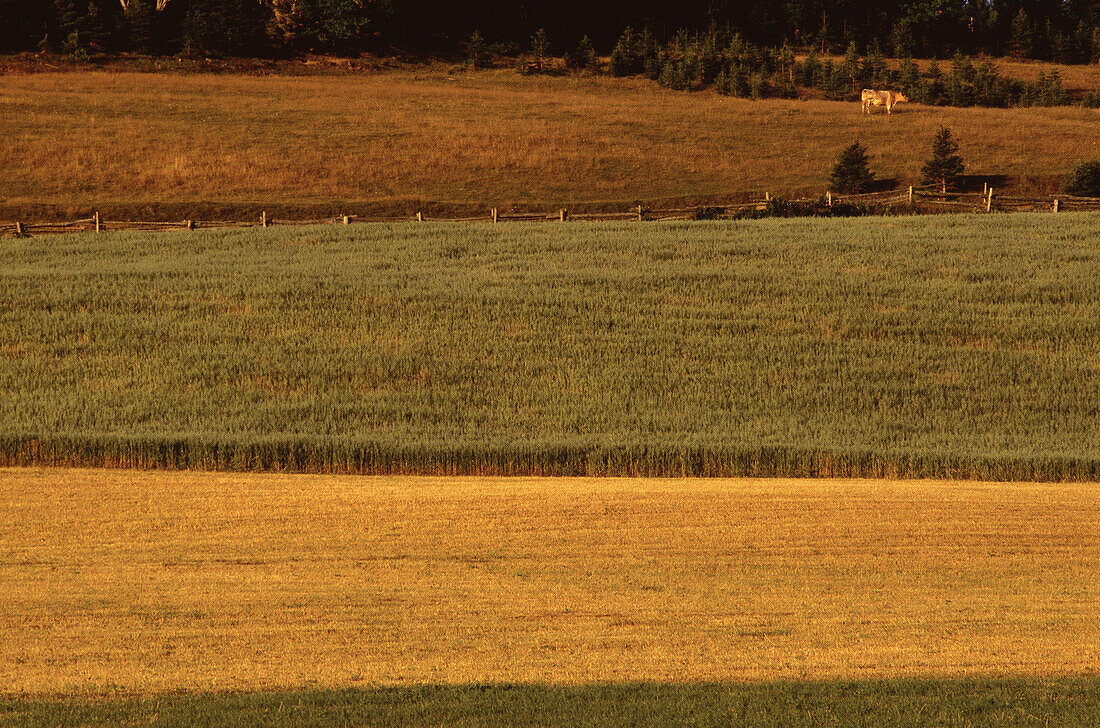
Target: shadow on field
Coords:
[(899, 703), (971, 182), (884, 184)]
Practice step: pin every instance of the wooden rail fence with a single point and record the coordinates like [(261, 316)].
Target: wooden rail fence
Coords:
[(922, 199)]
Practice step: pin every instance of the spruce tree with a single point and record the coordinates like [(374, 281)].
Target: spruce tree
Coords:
[(851, 174), (97, 34), (70, 23), (909, 78), (875, 68), (851, 66), (475, 50), (787, 62), (945, 167), (540, 49), (584, 58), (142, 23), (226, 27), (626, 58), (1022, 42), (1085, 180)]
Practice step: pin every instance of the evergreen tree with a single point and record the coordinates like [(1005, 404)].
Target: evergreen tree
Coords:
[(1068, 29), (628, 58), (909, 78), (141, 23), (945, 166), (475, 50), (226, 27), (83, 26), (586, 54), (540, 50), (1085, 180), (851, 175), (851, 66), (875, 68), (934, 90), (69, 27), (584, 58), (96, 34), (653, 58), (1022, 42), (340, 26), (810, 71), (901, 38), (1049, 90), (787, 63), (988, 88)]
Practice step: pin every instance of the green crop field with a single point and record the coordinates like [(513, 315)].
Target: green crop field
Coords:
[(959, 346), (1055, 703)]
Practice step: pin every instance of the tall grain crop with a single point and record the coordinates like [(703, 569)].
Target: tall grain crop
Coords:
[(950, 347)]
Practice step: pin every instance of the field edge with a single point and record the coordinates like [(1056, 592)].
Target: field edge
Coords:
[(897, 702), (365, 457)]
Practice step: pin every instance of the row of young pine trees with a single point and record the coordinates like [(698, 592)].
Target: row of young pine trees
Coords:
[(944, 170), (732, 66), (852, 173)]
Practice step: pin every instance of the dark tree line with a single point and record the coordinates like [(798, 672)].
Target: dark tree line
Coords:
[(1058, 30)]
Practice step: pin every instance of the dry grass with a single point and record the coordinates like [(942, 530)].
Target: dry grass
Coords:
[(1075, 78), (156, 581), (487, 138)]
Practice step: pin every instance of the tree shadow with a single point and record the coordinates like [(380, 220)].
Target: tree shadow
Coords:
[(884, 184), (981, 181)]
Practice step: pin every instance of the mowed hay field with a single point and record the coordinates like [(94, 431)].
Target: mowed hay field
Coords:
[(404, 139), (947, 346), (141, 582)]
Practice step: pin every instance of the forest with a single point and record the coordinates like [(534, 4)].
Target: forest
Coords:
[(1064, 31)]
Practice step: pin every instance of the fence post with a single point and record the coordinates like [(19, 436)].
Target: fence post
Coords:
[(767, 197), (95, 216), (562, 215), (190, 224), (263, 219), (419, 216), (494, 214), (989, 201), (19, 230), (910, 194), (985, 188), (641, 213), (829, 197), (347, 220), (1056, 204)]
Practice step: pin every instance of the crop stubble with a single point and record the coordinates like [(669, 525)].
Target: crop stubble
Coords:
[(147, 581)]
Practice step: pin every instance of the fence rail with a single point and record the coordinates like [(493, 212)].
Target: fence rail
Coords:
[(920, 199)]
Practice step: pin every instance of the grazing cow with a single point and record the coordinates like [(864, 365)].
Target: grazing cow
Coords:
[(881, 98)]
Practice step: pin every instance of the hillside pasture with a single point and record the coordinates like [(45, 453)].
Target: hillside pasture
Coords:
[(195, 146)]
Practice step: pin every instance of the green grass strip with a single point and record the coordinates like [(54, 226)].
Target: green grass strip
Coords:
[(872, 704)]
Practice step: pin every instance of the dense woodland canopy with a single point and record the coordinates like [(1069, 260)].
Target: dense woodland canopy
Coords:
[(1058, 30)]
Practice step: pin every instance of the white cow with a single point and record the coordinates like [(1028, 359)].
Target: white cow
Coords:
[(888, 99)]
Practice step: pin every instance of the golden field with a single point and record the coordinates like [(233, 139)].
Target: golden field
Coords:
[(400, 137), (152, 581)]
